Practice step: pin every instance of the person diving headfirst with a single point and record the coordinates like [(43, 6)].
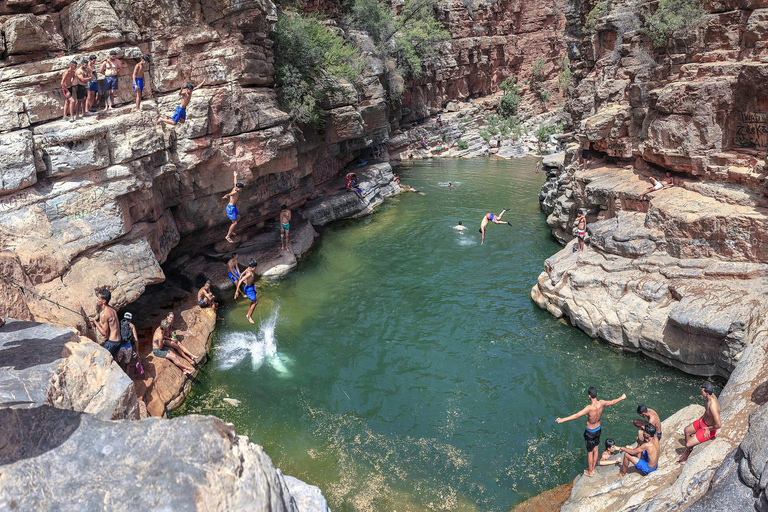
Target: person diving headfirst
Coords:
[(496, 219)]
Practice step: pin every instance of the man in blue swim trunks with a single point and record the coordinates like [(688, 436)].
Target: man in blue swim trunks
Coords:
[(180, 114), (111, 68), (248, 278), (496, 219), (231, 211), (594, 411), (233, 268), (94, 93), (138, 79), (646, 456)]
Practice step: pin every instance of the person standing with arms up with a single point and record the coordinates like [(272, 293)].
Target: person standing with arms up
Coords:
[(231, 211), (593, 412)]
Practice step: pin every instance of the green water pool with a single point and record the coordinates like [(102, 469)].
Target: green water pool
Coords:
[(403, 366)]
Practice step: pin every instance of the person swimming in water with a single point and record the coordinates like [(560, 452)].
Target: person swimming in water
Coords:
[(461, 228), (496, 219)]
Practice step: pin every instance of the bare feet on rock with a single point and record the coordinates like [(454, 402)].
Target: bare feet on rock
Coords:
[(587, 473), (229, 240)]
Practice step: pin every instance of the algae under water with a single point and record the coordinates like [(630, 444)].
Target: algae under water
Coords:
[(403, 366)]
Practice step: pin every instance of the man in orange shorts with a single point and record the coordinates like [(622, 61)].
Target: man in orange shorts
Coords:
[(706, 427)]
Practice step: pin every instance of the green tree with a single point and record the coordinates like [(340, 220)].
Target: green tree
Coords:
[(565, 77), (310, 62), (462, 144), (544, 132), (510, 101), (595, 15), (672, 16)]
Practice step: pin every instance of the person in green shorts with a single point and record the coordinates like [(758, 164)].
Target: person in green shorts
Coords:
[(285, 227), (158, 349)]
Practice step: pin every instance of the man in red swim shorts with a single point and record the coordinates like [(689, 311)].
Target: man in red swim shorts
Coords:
[(706, 427)]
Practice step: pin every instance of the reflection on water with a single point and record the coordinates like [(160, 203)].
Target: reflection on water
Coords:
[(404, 367)]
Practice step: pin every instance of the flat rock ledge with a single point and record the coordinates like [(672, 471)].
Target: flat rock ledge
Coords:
[(69, 440)]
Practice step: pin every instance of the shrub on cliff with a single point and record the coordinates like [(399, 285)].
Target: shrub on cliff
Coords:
[(595, 15), (310, 63), (672, 16), (538, 75), (565, 77), (543, 133), (511, 99)]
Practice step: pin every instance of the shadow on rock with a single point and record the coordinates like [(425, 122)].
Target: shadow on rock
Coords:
[(27, 433), (16, 326), (23, 354)]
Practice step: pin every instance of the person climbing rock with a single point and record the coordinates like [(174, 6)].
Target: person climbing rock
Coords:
[(496, 219), (593, 412), (138, 79), (706, 427), (107, 324), (180, 113), (233, 268), (285, 227), (247, 279), (231, 210), (111, 68)]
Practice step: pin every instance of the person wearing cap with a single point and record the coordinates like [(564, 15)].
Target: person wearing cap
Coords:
[(247, 278), (94, 94), (706, 427), (231, 210), (646, 456), (82, 75), (205, 297), (67, 81), (138, 79), (130, 342), (111, 68), (180, 114)]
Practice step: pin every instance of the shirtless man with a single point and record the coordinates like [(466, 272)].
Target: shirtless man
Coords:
[(82, 76), (231, 211), (180, 114), (169, 340), (581, 229), (285, 227), (233, 269), (646, 456), (669, 180), (594, 412), (489, 217), (138, 79), (111, 68), (205, 297), (655, 185), (67, 86), (460, 227), (158, 350), (107, 324), (93, 86), (706, 427), (585, 156), (248, 277), (651, 417)]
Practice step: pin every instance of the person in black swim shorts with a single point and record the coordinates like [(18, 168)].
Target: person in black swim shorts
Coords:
[(67, 84)]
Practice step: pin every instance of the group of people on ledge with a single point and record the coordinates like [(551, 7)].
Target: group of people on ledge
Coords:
[(644, 456), (83, 87)]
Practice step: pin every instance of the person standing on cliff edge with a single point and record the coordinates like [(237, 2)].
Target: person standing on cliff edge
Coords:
[(111, 68), (285, 227), (107, 324), (138, 79), (231, 211), (248, 277), (585, 156), (581, 230), (594, 411), (706, 427)]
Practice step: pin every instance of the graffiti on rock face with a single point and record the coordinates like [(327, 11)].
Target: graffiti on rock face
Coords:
[(751, 130)]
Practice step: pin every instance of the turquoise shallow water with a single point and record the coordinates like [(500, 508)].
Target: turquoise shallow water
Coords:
[(405, 367)]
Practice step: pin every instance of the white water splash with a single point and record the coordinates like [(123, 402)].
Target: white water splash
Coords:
[(261, 347)]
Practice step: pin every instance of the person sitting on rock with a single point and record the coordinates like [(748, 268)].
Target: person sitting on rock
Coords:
[(170, 340), (285, 227), (111, 68), (655, 185), (233, 268), (581, 230), (138, 79), (205, 297), (669, 180), (353, 184), (67, 81), (107, 323), (159, 350), (651, 417), (610, 451), (130, 346), (248, 278), (496, 219), (706, 427), (231, 210), (646, 456), (180, 113)]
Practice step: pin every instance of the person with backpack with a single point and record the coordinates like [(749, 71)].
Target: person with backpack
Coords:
[(130, 342)]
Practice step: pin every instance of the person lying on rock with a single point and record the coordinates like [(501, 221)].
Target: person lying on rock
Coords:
[(67, 81), (233, 268), (496, 219), (581, 230), (247, 279), (646, 456), (285, 227), (593, 412), (169, 340), (159, 350), (706, 427), (111, 68), (655, 185), (107, 324), (651, 417), (130, 342), (138, 79), (205, 297), (231, 209), (180, 113), (610, 451)]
